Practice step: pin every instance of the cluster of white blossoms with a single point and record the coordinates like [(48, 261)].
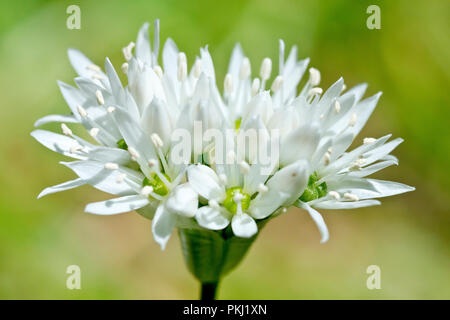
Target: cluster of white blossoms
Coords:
[(133, 129)]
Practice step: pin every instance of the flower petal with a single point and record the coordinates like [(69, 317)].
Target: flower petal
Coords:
[(206, 182), (243, 225), (81, 65), (389, 188), (135, 138), (117, 205), (318, 219), (57, 142), (212, 218), (73, 97), (163, 224), (143, 47), (336, 205), (56, 118), (62, 187), (95, 174), (183, 200), (299, 144), (285, 186)]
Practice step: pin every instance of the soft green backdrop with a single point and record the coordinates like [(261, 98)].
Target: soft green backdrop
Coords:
[(408, 236)]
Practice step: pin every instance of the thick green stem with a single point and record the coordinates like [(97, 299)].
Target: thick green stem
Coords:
[(208, 291)]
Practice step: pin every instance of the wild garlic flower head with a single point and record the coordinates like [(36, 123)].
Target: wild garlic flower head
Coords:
[(136, 129)]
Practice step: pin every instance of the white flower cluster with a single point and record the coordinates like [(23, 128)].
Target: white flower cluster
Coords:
[(133, 128)]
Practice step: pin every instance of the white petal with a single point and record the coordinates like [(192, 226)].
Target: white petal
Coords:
[(318, 219), (170, 58), (56, 118), (116, 85), (183, 200), (106, 154), (63, 144), (207, 63), (156, 120), (135, 138), (389, 188), (212, 218), (348, 158), (373, 168), (143, 47), (381, 151), (81, 64), (340, 144), (334, 204), (285, 186), (326, 102), (117, 205), (363, 110), (235, 63), (95, 174), (140, 83), (163, 224), (243, 225), (57, 142), (206, 182), (299, 144), (73, 97), (357, 91), (62, 187)]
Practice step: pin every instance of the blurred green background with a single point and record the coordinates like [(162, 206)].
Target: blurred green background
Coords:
[(408, 236)]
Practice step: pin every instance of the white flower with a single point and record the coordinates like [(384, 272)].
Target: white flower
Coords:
[(242, 202), (133, 127)]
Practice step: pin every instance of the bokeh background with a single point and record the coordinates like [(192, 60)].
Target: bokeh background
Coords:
[(408, 236)]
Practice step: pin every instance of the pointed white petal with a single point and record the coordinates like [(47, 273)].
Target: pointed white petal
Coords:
[(95, 174), (170, 58), (336, 205), (57, 142), (143, 47), (389, 188), (73, 97), (366, 171), (56, 118), (135, 138), (357, 91), (285, 186), (381, 151), (155, 119), (235, 63), (163, 224), (116, 85), (299, 144), (363, 110), (318, 219), (62, 187), (81, 64), (206, 182), (117, 205)]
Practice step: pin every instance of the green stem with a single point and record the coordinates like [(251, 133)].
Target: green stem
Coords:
[(208, 291)]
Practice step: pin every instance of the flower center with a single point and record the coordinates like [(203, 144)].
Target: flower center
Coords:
[(237, 124), (157, 184), (122, 144), (229, 202), (313, 190)]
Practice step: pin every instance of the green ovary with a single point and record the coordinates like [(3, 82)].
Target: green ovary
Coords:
[(122, 144), (157, 184), (313, 190), (229, 203), (237, 123)]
